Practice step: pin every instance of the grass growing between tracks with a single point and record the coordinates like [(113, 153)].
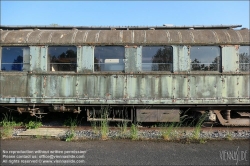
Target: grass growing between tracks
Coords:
[(196, 134), (72, 123), (169, 131), (123, 126), (134, 132), (104, 127)]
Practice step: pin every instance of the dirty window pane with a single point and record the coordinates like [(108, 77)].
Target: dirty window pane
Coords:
[(244, 58), (205, 58), (157, 58), (109, 58), (13, 58), (62, 58)]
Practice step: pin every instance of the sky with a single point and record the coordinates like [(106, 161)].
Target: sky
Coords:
[(125, 13)]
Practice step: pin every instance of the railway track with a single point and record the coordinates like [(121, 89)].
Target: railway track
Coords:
[(142, 128), (142, 133)]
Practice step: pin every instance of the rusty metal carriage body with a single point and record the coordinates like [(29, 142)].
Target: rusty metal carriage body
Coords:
[(180, 87)]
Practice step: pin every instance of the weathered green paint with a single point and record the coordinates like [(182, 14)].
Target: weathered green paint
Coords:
[(125, 89), (230, 59), (14, 84), (181, 59), (85, 86), (38, 58), (133, 57), (85, 59)]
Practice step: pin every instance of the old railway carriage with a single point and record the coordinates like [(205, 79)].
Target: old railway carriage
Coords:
[(144, 74)]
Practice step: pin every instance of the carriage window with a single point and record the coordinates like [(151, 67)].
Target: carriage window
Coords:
[(244, 58), (109, 58), (157, 58), (205, 58), (62, 58), (15, 59)]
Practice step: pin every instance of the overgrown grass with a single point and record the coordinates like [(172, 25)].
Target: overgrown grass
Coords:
[(123, 128), (70, 122), (33, 124), (104, 126), (229, 136), (8, 125), (134, 132), (169, 132), (70, 135), (94, 125), (195, 136)]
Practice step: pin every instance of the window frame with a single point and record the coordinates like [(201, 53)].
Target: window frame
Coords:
[(23, 55), (49, 70), (244, 71), (219, 62), (161, 71), (109, 71)]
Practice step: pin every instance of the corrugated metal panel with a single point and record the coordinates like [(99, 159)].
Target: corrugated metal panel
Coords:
[(62, 37), (17, 37), (122, 37)]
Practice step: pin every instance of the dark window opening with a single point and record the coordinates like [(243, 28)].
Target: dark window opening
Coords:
[(15, 58), (244, 58), (62, 58), (157, 58), (205, 58), (109, 58)]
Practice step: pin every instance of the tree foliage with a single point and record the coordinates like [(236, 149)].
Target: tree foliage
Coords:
[(66, 61), (162, 59), (17, 64)]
